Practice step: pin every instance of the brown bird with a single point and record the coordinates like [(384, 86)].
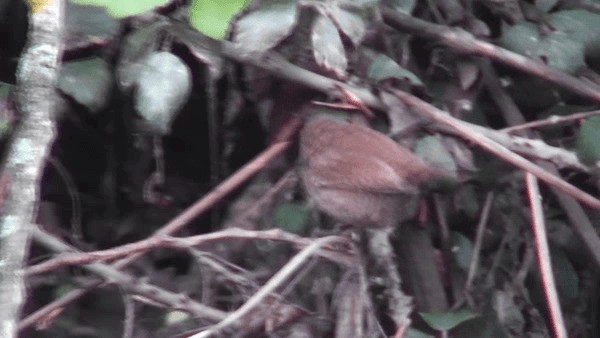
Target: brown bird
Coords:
[(358, 175)]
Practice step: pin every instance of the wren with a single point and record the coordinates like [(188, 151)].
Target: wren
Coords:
[(358, 175)]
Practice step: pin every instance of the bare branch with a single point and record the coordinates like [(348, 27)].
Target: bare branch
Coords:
[(38, 69)]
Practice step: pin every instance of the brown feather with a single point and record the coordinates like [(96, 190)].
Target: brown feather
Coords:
[(356, 174), (373, 161)]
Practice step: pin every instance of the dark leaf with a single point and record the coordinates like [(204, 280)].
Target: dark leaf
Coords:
[(578, 24), (462, 250), (85, 24), (291, 217), (558, 49), (588, 147), (383, 68), (482, 327), (431, 149), (448, 320), (88, 82), (414, 333)]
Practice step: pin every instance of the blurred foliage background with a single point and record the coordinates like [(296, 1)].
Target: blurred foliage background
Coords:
[(158, 101)]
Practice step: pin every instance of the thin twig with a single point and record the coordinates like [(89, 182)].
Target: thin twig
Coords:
[(513, 116), (505, 103), (552, 120), (204, 204), (73, 193), (581, 223), (275, 305), (356, 101), (445, 241), (526, 261), (132, 284), (543, 254), (483, 219), (497, 149), (277, 65), (183, 243), (275, 282), (465, 42), (531, 148), (129, 317), (214, 130)]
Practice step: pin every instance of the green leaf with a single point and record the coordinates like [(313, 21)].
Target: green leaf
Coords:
[(291, 217), (482, 327), (5, 90), (383, 68), (212, 17), (414, 333), (124, 8), (448, 320), (461, 249), (561, 52), (89, 22), (7, 118), (62, 290), (521, 38), (567, 280), (163, 87), (565, 276), (559, 49), (431, 149), (588, 147), (577, 24), (89, 82), (264, 28), (328, 48)]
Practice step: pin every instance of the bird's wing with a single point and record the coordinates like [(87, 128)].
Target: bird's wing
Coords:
[(351, 170), (361, 158)]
